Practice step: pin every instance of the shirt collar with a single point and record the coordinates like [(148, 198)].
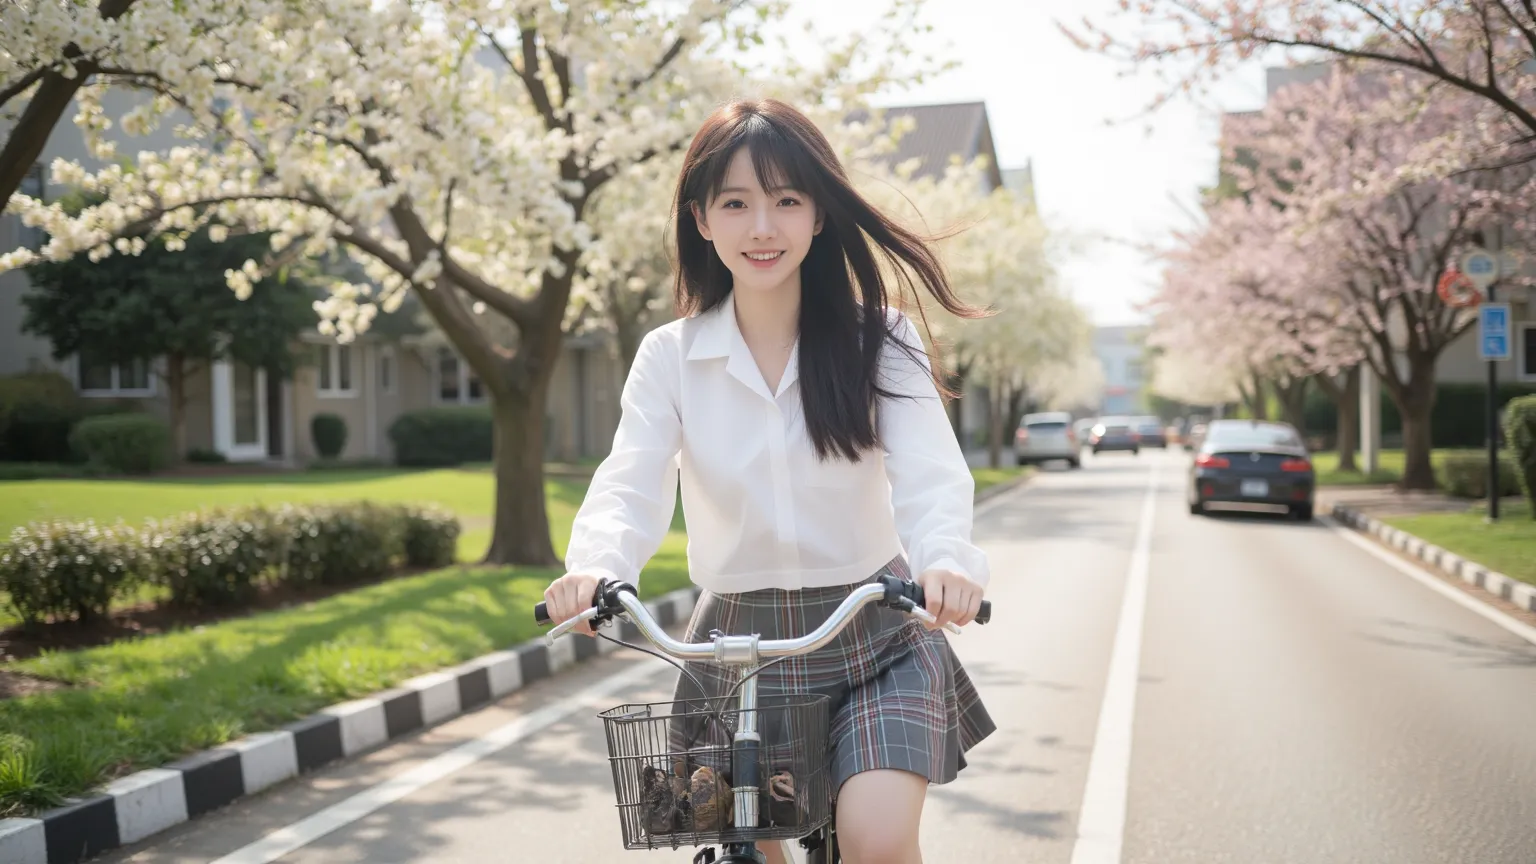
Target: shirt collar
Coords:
[(719, 336)]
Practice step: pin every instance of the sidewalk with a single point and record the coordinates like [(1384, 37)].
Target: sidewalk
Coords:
[(1386, 500)]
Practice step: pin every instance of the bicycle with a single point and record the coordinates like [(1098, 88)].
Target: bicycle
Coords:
[(649, 765)]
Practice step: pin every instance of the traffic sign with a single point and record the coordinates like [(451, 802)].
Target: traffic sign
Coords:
[(1493, 331), (1482, 267)]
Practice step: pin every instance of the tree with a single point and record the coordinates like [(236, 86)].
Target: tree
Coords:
[(169, 304), (1482, 48), (453, 148)]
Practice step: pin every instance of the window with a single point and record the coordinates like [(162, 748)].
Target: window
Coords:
[(1528, 351), (102, 378), (334, 365), (387, 370), (32, 184), (456, 382)]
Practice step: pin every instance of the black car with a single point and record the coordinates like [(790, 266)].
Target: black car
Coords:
[(1252, 462), (1150, 431), (1114, 433)]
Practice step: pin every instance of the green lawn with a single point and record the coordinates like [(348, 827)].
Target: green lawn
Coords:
[(1389, 469), (1508, 546), (988, 477), (144, 702)]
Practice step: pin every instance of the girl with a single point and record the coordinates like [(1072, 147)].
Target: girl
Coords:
[(815, 455)]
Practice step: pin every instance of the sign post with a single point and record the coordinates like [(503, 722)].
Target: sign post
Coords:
[(1483, 268)]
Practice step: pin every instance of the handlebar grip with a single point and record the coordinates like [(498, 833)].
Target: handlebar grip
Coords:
[(914, 592), (541, 615)]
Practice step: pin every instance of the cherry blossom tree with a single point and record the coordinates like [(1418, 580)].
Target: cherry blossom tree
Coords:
[(452, 148), (1483, 49)]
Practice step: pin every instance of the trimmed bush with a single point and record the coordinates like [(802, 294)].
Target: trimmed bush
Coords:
[(37, 411), (218, 557), (206, 457), (437, 437), (1520, 431), (45, 471), (214, 557), (1465, 475), (70, 569), (130, 443), (329, 432), (335, 544), (431, 536)]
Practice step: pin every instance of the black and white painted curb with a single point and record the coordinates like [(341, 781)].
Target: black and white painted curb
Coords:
[(142, 804), (1471, 572)]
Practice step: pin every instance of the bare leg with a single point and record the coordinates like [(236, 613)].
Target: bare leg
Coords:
[(877, 817), (773, 851)]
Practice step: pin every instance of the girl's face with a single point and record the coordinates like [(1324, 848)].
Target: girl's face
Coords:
[(762, 235)]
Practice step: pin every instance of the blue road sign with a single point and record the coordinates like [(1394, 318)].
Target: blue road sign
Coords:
[(1493, 331)]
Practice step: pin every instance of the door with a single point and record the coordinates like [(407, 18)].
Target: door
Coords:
[(240, 411)]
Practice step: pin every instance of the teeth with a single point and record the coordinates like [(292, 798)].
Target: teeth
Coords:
[(763, 256)]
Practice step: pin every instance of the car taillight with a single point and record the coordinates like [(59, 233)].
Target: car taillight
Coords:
[(1021, 436), (1206, 460), (1295, 465), (1136, 437)]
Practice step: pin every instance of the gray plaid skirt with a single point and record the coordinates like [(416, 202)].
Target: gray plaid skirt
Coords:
[(899, 698)]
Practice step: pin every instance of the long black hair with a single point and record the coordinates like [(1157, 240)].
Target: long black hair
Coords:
[(843, 324)]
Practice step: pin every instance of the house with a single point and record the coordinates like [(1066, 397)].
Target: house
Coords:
[(248, 415), (1120, 352)]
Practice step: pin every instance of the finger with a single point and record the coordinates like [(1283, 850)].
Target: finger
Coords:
[(972, 606), (933, 593), (965, 609)]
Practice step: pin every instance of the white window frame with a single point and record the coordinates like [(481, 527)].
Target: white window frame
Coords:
[(463, 373), (388, 383), (331, 355), (116, 391), (1521, 357)]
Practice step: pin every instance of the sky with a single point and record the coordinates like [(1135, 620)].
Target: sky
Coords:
[(1107, 173)]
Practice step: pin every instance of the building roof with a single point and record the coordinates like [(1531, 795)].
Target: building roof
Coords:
[(941, 131)]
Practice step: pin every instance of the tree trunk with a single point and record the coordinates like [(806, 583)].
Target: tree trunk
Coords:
[(1348, 430), (1415, 403), (1254, 399), (1293, 394), (995, 423), (176, 387), (520, 526)]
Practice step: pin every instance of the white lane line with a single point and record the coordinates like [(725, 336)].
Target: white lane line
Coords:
[(1429, 580), (343, 813), (1101, 821)]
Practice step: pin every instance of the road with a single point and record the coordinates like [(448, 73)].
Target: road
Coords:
[(1168, 688)]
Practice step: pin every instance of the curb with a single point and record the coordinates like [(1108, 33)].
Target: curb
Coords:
[(147, 802), (1521, 594)]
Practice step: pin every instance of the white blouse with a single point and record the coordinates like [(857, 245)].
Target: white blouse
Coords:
[(762, 511)]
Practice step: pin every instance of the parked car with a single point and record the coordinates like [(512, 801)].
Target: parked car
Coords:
[(1252, 462), (1044, 437), (1151, 432), (1114, 433)]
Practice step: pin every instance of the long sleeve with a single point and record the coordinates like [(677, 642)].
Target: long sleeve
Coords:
[(932, 490), (633, 495)]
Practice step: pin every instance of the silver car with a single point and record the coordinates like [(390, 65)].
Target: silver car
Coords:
[(1044, 437)]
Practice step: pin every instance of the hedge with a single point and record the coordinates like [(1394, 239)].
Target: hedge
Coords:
[(1465, 475), (329, 432), (439, 437), (1457, 420), (37, 410), (129, 443), (1520, 431), (217, 557)]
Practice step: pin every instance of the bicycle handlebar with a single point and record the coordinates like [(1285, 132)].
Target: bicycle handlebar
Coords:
[(615, 597)]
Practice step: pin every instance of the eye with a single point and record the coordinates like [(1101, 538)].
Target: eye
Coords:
[(733, 204), (789, 201)]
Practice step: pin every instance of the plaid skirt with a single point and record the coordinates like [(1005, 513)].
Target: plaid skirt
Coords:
[(898, 696)]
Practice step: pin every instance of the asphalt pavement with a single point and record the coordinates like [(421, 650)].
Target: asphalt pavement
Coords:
[(1167, 687)]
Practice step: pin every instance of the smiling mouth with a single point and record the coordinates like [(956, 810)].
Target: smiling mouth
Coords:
[(763, 256)]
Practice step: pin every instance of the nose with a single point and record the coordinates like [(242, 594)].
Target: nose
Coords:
[(762, 223)]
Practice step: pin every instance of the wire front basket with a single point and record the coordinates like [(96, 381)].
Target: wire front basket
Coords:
[(672, 766)]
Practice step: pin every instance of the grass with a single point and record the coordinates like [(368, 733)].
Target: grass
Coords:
[(1508, 546), (988, 477), (1389, 467), (144, 702)]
